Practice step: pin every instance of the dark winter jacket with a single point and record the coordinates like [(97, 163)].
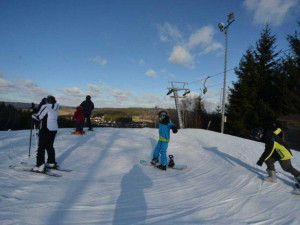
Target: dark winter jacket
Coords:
[(43, 102), (274, 148), (88, 107), (78, 115)]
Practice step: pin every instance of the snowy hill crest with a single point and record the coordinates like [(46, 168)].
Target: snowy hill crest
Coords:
[(222, 184)]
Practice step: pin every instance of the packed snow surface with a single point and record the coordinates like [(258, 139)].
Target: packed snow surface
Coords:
[(108, 185)]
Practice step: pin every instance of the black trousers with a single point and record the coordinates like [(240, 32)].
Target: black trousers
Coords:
[(89, 123), (79, 126), (46, 140), (286, 165)]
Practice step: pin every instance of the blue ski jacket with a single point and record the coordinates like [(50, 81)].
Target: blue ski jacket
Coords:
[(164, 131)]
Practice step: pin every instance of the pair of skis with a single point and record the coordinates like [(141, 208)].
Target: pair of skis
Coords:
[(25, 167)]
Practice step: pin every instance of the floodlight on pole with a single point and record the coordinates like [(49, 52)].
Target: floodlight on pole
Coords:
[(170, 91), (186, 92), (224, 28)]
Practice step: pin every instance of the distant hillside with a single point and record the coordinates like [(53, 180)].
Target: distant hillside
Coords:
[(139, 114), (18, 105)]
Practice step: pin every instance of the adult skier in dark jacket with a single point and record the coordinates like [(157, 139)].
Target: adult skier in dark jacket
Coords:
[(88, 107), (275, 150)]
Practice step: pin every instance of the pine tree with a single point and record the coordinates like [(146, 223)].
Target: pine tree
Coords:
[(253, 100), (242, 97), (291, 70), (267, 68)]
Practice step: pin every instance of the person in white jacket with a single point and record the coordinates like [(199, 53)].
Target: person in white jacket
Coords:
[(47, 116)]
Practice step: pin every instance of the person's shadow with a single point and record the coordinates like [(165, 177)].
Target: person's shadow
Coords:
[(131, 205)]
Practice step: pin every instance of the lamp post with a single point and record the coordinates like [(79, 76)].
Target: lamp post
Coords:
[(230, 20)]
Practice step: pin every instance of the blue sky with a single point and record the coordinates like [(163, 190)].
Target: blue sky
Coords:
[(124, 53)]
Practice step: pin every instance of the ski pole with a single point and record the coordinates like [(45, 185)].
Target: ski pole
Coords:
[(35, 135), (30, 137)]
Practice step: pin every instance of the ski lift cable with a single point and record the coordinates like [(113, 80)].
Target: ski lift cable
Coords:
[(213, 85), (205, 78), (220, 73)]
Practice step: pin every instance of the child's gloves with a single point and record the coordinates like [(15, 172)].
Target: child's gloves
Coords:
[(259, 162), (174, 129)]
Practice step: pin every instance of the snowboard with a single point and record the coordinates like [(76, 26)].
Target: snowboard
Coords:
[(48, 168), (24, 169), (176, 167)]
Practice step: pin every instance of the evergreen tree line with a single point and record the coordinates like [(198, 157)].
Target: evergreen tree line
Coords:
[(14, 119), (19, 119), (268, 85)]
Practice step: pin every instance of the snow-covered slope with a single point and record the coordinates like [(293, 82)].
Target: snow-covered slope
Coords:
[(222, 184)]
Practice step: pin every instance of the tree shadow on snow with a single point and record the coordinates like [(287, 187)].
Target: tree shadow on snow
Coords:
[(75, 192), (76, 144), (131, 205)]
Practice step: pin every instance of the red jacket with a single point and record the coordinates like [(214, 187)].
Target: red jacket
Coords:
[(79, 115)]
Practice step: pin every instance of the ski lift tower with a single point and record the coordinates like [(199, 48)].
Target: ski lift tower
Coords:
[(178, 86)]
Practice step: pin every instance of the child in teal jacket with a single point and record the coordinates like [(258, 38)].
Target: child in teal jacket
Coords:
[(164, 127)]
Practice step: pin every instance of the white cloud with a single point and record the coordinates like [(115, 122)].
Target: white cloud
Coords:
[(22, 90), (5, 85), (149, 99), (98, 60), (181, 56), (204, 38), (31, 90), (210, 105), (185, 51), (270, 11), (150, 73), (93, 89), (210, 48), (169, 33), (28, 91), (74, 91), (120, 95)]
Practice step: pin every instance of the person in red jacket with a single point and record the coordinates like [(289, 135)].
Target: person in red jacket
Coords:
[(79, 119)]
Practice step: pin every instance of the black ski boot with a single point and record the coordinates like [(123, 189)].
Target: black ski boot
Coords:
[(171, 161), (297, 185), (162, 167), (154, 161)]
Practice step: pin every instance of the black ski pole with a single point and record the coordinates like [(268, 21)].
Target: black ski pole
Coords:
[(31, 123)]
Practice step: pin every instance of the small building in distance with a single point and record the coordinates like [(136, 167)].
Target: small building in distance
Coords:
[(291, 130)]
